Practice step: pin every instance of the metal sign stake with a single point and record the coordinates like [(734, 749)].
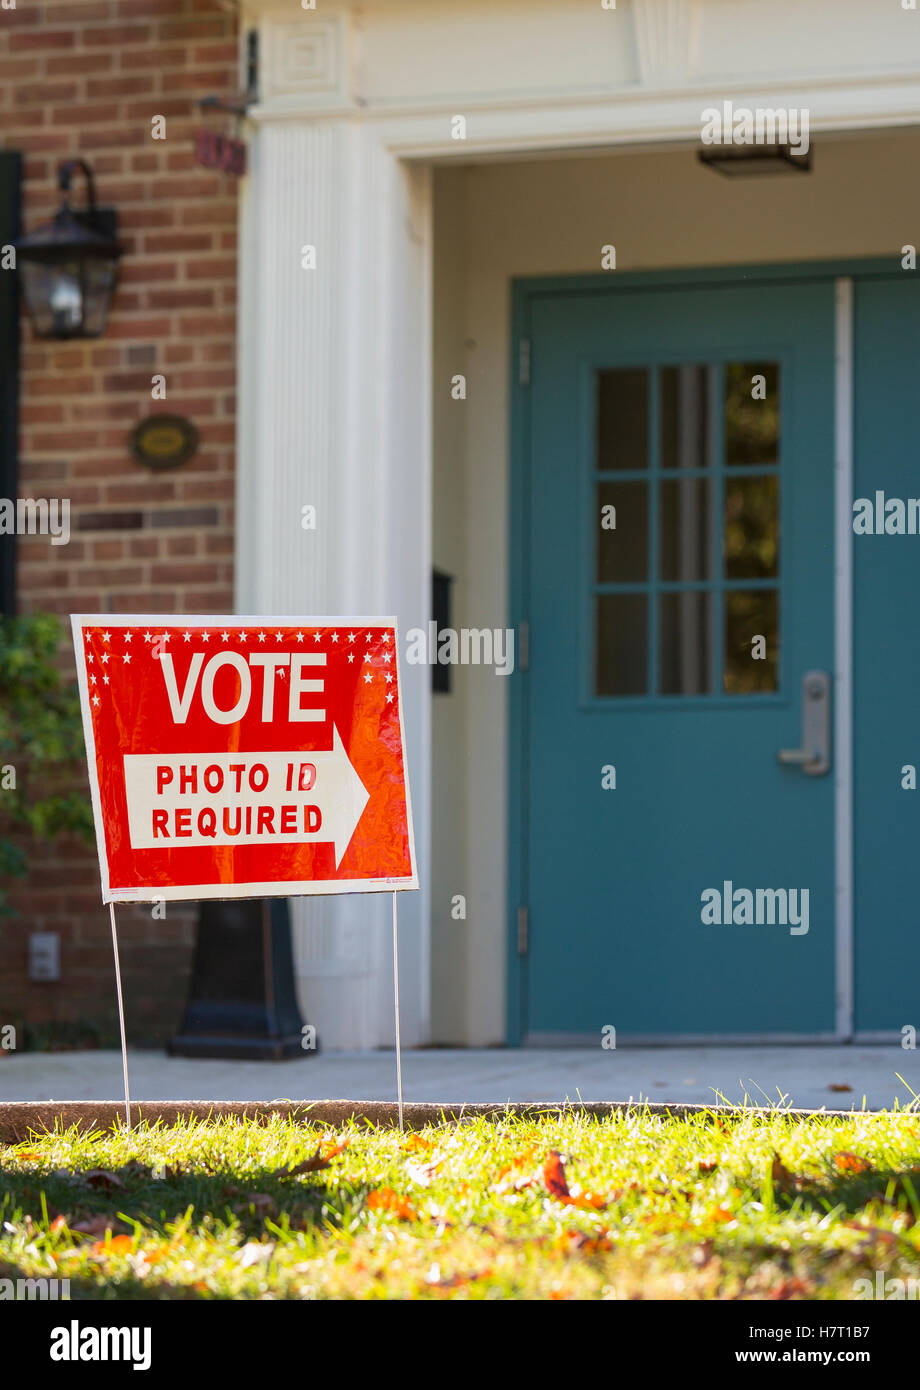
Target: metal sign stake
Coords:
[(121, 1015), (396, 1000)]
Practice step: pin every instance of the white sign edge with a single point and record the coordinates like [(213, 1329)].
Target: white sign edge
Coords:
[(197, 892)]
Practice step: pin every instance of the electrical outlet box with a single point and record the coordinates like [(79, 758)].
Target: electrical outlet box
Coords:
[(44, 956)]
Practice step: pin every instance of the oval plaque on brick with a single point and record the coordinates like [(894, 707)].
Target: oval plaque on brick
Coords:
[(164, 441)]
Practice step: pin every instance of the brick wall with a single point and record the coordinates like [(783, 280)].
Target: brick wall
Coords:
[(86, 77)]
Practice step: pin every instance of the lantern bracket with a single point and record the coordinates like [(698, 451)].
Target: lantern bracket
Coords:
[(103, 221)]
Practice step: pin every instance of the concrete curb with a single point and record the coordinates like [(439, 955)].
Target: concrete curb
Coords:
[(19, 1118)]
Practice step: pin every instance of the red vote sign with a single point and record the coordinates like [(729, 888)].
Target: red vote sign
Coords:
[(245, 757)]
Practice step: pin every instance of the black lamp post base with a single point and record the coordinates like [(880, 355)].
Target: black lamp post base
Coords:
[(241, 1002)]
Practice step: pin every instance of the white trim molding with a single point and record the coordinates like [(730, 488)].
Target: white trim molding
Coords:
[(334, 353)]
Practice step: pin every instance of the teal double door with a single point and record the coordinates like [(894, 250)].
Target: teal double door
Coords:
[(674, 559)]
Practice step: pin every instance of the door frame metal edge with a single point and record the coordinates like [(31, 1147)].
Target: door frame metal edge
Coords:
[(843, 656)]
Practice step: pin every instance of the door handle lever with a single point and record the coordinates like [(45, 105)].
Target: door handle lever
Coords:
[(814, 756)]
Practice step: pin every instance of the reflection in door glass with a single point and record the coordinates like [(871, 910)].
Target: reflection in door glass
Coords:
[(751, 641), (750, 539), (622, 537), (685, 638), (684, 415), (751, 413), (621, 644), (685, 549), (622, 419)]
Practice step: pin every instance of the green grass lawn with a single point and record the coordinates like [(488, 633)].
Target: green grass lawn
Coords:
[(729, 1205)]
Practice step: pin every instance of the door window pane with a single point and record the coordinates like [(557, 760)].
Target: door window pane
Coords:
[(621, 622), (684, 414), (750, 535), (685, 644), (751, 413), (750, 615), (622, 419), (685, 543), (622, 533)]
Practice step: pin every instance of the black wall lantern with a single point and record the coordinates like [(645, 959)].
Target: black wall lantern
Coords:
[(69, 266)]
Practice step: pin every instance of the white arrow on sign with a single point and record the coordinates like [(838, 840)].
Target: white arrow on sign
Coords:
[(340, 795), (194, 799)]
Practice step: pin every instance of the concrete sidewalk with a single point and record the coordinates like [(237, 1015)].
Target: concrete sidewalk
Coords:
[(802, 1075)]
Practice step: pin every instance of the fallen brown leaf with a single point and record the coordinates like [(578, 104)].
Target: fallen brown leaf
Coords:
[(851, 1163), (557, 1186), (385, 1199), (780, 1173), (102, 1178), (309, 1165), (587, 1244), (118, 1245), (792, 1288), (554, 1175)]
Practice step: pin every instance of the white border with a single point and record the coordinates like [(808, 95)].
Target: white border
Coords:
[(197, 892), (843, 653)]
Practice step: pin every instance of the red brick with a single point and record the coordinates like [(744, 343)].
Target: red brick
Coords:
[(46, 39), (108, 550), (161, 242), (147, 8), (18, 67), (106, 137), (105, 356), (41, 415), (219, 209), (39, 93), (134, 493), (106, 575), (203, 80), (115, 35), (216, 325), (76, 64), (143, 600), (86, 13), (143, 218), (21, 18), (95, 115), (219, 545), (200, 186), (57, 140), (227, 52), (130, 327), (60, 441), (195, 378), (143, 547), (176, 56), (181, 299), (120, 86), (104, 410), (182, 545), (211, 268), (192, 28)]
